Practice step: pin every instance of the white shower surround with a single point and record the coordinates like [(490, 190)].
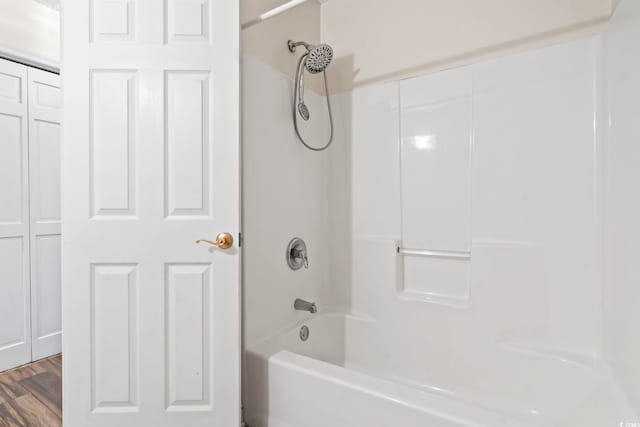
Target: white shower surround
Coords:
[(287, 194), (539, 326)]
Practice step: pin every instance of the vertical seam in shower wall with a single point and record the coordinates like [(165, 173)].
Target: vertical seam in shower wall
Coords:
[(400, 285), (601, 142), (471, 166), (400, 145), (400, 277), (328, 285)]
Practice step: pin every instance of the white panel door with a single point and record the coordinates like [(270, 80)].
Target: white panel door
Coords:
[(15, 325), (44, 194), (150, 164)]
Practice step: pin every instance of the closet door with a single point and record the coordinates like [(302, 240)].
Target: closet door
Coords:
[(44, 185), (15, 327)]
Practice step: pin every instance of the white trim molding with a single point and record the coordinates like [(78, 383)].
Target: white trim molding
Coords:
[(28, 59)]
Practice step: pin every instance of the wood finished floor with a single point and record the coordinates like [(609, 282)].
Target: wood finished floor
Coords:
[(31, 395)]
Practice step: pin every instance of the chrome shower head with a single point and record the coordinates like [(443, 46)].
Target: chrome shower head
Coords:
[(318, 56), (315, 60)]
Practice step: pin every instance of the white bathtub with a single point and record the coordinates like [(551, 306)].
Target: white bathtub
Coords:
[(312, 384), (351, 373)]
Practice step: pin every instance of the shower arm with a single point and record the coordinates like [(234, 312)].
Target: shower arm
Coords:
[(293, 45)]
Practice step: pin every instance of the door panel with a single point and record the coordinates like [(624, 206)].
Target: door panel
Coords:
[(12, 163), (114, 336), (187, 120), (12, 82), (46, 286), (151, 155), (15, 323), (15, 348), (113, 165), (45, 149), (188, 299), (44, 194)]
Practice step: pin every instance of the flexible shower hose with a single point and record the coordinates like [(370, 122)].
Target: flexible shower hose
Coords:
[(299, 70)]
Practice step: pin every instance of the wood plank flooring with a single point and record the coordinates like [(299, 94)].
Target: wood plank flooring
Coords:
[(31, 395)]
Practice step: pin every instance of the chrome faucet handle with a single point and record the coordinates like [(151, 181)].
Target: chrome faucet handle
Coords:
[(297, 254), (302, 254)]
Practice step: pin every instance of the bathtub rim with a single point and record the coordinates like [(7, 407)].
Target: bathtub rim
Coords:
[(409, 398)]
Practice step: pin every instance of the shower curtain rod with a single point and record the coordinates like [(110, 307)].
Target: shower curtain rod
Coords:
[(273, 12)]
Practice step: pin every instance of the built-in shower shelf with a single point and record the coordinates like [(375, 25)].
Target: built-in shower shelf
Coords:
[(434, 276)]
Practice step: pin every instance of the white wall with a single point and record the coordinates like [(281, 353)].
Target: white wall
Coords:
[(378, 39), (267, 41), (30, 27), (622, 293), (290, 191), (286, 194)]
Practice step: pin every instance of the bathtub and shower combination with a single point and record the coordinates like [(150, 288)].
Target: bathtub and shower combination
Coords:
[(486, 275), (344, 374)]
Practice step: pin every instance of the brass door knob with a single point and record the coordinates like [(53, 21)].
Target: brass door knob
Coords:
[(223, 241)]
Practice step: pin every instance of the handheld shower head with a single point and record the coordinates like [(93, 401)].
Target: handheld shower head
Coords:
[(318, 56), (315, 60)]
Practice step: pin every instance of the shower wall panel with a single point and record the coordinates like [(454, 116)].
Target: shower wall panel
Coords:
[(436, 140), (621, 290), (500, 159)]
